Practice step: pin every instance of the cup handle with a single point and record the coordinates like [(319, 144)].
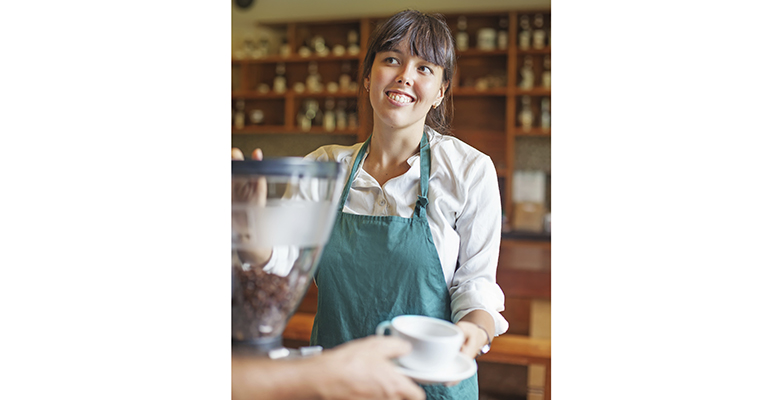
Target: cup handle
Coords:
[(380, 331)]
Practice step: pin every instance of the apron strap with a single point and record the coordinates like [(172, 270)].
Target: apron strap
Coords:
[(422, 199), (359, 157)]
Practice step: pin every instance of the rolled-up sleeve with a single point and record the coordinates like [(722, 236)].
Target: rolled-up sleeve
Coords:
[(478, 225)]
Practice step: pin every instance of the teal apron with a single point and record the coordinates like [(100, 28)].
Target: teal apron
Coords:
[(377, 267)]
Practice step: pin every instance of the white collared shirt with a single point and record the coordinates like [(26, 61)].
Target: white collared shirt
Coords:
[(464, 215)]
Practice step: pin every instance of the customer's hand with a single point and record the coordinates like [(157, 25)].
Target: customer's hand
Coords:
[(255, 192), (237, 154), (362, 369)]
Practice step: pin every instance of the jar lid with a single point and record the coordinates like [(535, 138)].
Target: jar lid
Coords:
[(287, 166)]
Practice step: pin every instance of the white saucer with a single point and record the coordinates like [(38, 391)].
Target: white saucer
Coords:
[(462, 368)]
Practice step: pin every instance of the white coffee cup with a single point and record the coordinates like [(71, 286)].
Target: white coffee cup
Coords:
[(435, 342)]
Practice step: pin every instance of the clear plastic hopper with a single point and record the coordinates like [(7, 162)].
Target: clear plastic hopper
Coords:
[(282, 213)]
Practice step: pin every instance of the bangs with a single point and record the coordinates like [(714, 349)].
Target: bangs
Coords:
[(428, 40)]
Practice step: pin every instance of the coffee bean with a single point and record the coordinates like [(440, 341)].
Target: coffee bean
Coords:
[(262, 302)]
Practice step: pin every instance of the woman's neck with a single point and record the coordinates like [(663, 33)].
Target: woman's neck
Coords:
[(389, 150)]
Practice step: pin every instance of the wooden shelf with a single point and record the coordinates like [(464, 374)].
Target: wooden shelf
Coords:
[(290, 93), (482, 53), (533, 132), (272, 129), (257, 95), (537, 91), (546, 50), (469, 91), (259, 129), (336, 95), (295, 58)]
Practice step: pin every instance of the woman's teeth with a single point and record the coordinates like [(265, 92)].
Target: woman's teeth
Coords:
[(399, 98)]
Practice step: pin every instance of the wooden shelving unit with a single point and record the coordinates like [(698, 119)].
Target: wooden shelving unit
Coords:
[(486, 114)]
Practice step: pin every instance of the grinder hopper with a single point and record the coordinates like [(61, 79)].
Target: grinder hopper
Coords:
[(283, 211)]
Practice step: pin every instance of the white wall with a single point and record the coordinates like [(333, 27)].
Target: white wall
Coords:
[(297, 10)]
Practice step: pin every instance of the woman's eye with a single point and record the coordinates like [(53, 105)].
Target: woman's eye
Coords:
[(425, 69), (390, 60)]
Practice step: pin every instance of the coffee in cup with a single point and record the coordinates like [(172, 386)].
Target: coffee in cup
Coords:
[(435, 342)]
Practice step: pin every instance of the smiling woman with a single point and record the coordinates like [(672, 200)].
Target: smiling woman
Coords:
[(417, 229)]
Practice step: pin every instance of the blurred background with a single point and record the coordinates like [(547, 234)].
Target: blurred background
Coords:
[(295, 87)]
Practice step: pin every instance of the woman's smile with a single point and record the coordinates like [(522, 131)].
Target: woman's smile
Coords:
[(400, 98)]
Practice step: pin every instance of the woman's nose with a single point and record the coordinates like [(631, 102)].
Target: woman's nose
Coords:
[(404, 77)]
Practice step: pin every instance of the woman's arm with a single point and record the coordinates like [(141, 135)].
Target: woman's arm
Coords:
[(477, 299)]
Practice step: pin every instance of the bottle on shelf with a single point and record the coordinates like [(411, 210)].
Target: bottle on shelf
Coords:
[(279, 83), (318, 45), (486, 38), (525, 32), (461, 38), (305, 49), (502, 34), (545, 114), (306, 114), (545, 78), (353, 48), (240, 114), (345, 78), (352, 120), (527, 73), (263, 88), (318, 119), (263, 48), (538, 35), (525, 115), (257, 117), (329, 115), (285, 49), (340, 117), (313, 81), (249, 47)]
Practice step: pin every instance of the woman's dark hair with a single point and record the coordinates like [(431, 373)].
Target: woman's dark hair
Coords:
[(431, 39)]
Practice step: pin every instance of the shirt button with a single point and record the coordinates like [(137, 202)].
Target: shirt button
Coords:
[(382, 202)]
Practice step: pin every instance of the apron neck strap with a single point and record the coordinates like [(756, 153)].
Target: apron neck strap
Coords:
[(422, 199)]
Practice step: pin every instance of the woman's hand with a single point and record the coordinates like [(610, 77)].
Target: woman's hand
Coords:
[(475, 338)]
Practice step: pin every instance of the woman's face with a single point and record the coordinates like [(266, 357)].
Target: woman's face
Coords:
[(403, 88)]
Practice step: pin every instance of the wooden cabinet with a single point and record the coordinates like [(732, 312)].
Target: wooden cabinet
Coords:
[(490, 92), (492, 86), (294, 54)]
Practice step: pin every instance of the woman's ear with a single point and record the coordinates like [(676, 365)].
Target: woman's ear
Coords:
[(440, 97), (366, 83)]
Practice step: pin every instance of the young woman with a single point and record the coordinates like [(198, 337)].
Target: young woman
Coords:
[(418, 225)]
